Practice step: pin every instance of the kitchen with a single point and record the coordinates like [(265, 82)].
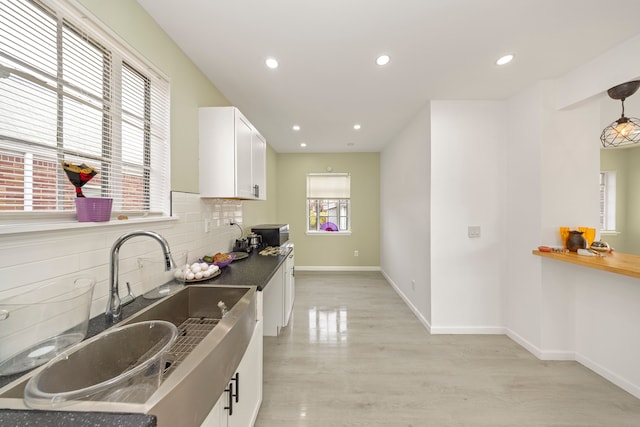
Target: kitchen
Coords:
[(503, 289)]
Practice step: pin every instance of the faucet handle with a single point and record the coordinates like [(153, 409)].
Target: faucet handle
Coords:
[(127, 299)]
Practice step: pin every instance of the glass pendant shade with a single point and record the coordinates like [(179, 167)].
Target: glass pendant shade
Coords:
[(625, 130)]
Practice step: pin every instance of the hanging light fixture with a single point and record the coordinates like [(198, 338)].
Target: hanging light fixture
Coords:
[(625, 130)]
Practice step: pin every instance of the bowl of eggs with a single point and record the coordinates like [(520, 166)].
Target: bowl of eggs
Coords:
[(196, 272)]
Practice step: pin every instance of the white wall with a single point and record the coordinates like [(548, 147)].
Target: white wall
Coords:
[(521, 297), (520, 169), (468, 168), (606, 332), (405, 178)]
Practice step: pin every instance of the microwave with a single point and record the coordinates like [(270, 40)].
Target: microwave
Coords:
[(272, 234)]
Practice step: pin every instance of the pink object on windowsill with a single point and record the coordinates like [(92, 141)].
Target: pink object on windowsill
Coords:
[(329, 226)]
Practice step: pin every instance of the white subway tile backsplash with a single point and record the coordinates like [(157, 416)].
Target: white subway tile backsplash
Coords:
[(33, 258)]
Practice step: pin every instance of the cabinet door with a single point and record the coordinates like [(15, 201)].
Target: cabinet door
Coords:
[(289, 290), (244, 141), (249, 383), (292, 273), (272, 303), (215, 417), (217, 151), (259, 166)]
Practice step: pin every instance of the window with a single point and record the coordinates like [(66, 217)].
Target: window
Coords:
[(71, 93), (607, 201), (328, 202)]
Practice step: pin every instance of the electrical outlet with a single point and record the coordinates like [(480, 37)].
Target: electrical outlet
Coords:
[(473, 231), (356, 253), (413, 285)]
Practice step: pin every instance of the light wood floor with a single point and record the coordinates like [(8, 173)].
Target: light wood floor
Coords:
[(354, 355)]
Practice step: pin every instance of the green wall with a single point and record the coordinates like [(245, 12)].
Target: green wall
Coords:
[(190, 88), (625, 163), (332, 250), (286, 173)]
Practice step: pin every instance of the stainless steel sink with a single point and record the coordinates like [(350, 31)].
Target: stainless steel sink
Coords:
[(201, 362), (124, 364)]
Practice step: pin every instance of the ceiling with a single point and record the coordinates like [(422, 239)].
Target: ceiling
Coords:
[(328, 80)]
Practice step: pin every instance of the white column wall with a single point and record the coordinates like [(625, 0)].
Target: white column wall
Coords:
[(405, 216), (522, 294), (468, 188)]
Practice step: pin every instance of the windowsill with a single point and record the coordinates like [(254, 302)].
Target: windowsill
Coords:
[(609, 233), (328, 233), (74, 224)]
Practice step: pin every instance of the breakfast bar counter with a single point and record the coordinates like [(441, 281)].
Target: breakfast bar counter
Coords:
[(615, 262)]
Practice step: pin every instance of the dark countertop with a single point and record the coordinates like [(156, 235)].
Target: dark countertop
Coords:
[(19, 418), (255, 270)]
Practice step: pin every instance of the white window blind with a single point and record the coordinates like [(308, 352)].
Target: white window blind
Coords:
[(328, 186), (71, 92), (608, 201)]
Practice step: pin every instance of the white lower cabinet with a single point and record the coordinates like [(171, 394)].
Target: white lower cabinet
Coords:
[(238, 406), (272, 299), (278, 297)]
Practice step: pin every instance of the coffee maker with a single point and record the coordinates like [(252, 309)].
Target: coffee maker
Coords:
[(255, 241), (241, 245)]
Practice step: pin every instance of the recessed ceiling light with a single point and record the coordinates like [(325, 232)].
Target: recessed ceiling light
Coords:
[(383, 60), (296, 127), (505, 59), (271, 63), (303, 144), (356, 126)]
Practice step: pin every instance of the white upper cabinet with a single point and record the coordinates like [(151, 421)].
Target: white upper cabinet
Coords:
[(233, 155)]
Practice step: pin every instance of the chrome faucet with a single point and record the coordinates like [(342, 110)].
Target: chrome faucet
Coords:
[(114, 303)]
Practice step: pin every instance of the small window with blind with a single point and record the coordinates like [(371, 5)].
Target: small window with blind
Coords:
[(69, 92), (608, 201), (328, 203)]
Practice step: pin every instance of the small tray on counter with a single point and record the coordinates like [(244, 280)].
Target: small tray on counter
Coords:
[(239, 255)]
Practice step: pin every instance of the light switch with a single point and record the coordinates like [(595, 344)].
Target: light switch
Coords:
[(474, 231)]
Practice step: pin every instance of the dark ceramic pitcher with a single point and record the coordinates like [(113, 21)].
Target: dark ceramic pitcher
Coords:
[(576, 241)]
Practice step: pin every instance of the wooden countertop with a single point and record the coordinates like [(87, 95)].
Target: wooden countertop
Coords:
[(615, 262)]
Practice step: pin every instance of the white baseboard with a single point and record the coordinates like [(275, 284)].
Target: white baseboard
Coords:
[(468, 330), (611, 376), (406, 300), (498, 330), (537, 351), (572, 355), (524, 343), (337, 268)]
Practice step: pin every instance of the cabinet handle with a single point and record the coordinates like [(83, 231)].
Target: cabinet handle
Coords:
[(236, 378), (229, 390), (256, 190)]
